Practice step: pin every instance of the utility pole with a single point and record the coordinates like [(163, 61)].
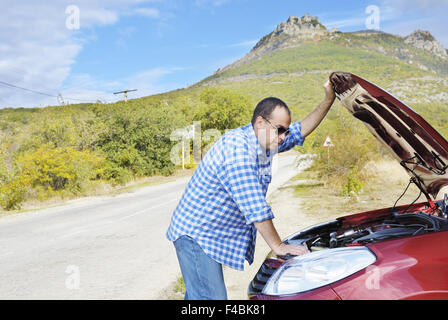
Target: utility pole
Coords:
[(125, 93)]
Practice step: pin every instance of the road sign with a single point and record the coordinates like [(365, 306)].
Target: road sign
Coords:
[(328, 143)]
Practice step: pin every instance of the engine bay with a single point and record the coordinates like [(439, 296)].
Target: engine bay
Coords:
[(336, 234), (359, 230)]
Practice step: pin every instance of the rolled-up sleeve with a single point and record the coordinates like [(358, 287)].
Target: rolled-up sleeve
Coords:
[(239, 176), (294, 139)]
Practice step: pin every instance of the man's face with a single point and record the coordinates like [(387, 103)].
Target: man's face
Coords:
[(266, 130)]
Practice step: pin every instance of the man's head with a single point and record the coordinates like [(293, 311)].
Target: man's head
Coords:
[(271, 119)]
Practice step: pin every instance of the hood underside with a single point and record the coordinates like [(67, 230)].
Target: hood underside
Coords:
[(421, 150)]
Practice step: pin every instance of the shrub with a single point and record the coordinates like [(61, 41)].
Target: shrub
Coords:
[(116, 174), (12, 194), (353, 184), (12, 187), (224, 109), (137, 139), (343, 166), (51, 170)]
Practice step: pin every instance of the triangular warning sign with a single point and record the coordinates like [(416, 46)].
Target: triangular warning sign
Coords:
[(328, 143)]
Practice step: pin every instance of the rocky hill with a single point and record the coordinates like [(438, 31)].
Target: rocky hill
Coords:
[(424, 40), (287, 34), (299, 54), (296, 31)]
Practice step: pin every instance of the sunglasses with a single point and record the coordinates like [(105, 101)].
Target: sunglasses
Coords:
[(279, 130)]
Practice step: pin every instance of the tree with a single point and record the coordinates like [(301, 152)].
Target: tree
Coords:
[(223, 109)]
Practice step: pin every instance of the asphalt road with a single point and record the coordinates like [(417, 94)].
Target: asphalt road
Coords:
[(100, 247)]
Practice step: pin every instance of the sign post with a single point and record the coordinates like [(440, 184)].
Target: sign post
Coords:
[(328, 144), (189, 134), (183, 154)]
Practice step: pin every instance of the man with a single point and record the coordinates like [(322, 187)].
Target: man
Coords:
[(224, 205)]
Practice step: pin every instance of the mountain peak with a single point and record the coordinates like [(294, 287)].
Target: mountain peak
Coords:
[(307, 21), (424, 40), (305, 27), (294, 32), (289, 33)]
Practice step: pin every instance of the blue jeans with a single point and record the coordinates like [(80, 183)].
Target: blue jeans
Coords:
[(202, 275)]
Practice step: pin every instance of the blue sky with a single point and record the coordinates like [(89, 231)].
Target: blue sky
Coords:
[(160, 45)]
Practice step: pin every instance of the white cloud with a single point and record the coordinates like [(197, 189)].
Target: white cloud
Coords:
[(37, 50), (215, 3), (410, 5), (247, 43), (400, 17), (97, 16), (39, 53), (345, 23), (147, 82), (151, 81), (406, 16), (147, 12)]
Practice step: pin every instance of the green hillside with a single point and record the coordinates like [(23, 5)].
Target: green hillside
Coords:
[(295, 74), (68, 150)]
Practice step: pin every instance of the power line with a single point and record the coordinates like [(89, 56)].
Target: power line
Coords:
[(42, 93), (14, 86)]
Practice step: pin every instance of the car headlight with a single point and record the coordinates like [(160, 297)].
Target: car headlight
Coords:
[(318, 269)]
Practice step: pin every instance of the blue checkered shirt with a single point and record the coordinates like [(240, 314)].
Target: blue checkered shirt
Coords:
[(227, 194)]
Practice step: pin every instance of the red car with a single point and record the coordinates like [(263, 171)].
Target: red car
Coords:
[(393, 253)]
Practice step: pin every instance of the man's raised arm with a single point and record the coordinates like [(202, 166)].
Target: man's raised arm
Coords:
[(317, 115)]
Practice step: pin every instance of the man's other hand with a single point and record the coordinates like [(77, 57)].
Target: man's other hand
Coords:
[(329, 91), (294, 250)]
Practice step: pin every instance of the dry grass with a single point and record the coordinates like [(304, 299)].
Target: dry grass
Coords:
[(386, 185)]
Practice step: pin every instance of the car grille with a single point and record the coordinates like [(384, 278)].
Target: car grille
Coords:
[(257, 285)]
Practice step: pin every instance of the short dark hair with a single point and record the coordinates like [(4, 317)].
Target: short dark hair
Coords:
[(266, 106)]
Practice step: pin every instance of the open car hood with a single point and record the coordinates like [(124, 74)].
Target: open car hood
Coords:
[(421, 150)]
